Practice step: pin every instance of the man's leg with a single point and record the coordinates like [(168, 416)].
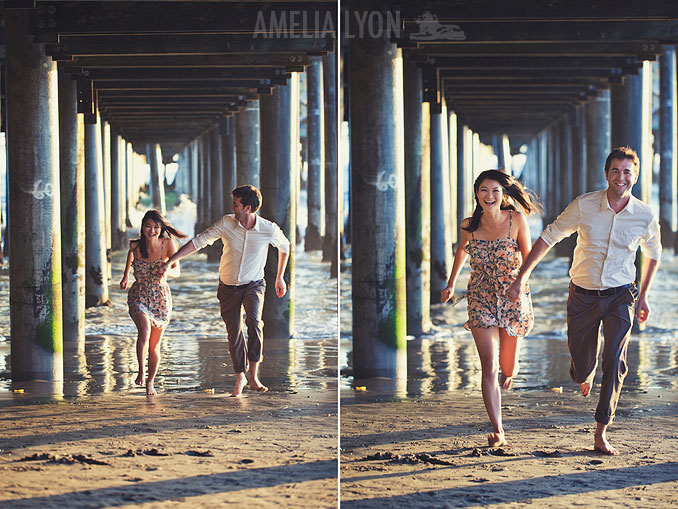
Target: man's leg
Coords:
[(583, 331), (230, 304), (617, 324), (253, 302)]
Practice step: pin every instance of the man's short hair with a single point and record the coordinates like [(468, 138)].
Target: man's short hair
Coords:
[(622, 153), (249, 195)]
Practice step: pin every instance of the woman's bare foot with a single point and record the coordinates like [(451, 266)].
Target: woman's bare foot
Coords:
[(240, 383), (150, 390), (505, 382), (586, 388), (140, 379), (600, 443), (496, 439)]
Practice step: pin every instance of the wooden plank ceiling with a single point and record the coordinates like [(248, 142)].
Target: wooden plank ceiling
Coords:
[(165, 71)]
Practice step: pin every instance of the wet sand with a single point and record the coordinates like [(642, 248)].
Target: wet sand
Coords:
[(439, 455), (177, 450)]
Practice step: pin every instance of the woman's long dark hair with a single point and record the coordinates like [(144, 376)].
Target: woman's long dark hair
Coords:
[(525, 198), (165, 228)]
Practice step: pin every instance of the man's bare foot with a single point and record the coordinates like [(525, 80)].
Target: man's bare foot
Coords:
[(496, 439), (505, 382), (240, 383), (586, 388), (258, 387), (150, 390), (600, 443), (140, 379)]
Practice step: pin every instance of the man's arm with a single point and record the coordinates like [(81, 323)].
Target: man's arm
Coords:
[(184, 250), (539, 250), (280, 286), (650, 267)]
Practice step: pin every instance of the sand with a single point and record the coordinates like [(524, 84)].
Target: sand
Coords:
[(434, 451), (177, 450)]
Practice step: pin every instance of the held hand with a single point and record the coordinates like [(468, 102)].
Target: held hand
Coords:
[(642, 309), (446, 294), (280, 287), (162, 268), (123, 283), (513, 292)]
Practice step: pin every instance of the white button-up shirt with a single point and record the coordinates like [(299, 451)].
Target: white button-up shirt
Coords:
[(244, 255), (607, 242)]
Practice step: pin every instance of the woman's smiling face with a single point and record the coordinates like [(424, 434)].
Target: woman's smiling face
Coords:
[(151, 229), (490, 194)]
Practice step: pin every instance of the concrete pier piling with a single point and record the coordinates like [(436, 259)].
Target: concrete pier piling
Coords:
[(247, 144), (96, 281), (36, 325), (378, 206), (598, 141), (72, 186), (668, 131), (417, 201), (315, 228), (279, 140), (441, 245), (330, 247)]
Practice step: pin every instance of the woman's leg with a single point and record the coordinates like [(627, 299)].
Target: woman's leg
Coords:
[(153, 359), (509, 350), (486, 342), (143, 324)]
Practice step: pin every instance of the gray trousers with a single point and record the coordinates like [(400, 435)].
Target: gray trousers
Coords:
[(584, 316), (232, 300)]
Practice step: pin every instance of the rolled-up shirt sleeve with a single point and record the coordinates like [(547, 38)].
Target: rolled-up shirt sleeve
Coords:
[(279, 240), (650, 243), (564, 225), (209, 236)]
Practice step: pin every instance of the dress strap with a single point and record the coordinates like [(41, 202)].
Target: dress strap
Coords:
[(510, 222)]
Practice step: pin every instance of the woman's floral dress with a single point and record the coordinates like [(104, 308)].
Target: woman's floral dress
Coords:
[(495, 265), (150, 293)]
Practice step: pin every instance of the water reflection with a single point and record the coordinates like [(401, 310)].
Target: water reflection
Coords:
[(446, 359), (194, 349)]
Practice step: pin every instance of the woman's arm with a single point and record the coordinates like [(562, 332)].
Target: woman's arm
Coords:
[(459, 259), (128, 264), (524, 239), (174, 269)]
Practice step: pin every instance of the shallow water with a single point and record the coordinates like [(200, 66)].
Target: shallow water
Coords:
[(194, 349), (446, 359)]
